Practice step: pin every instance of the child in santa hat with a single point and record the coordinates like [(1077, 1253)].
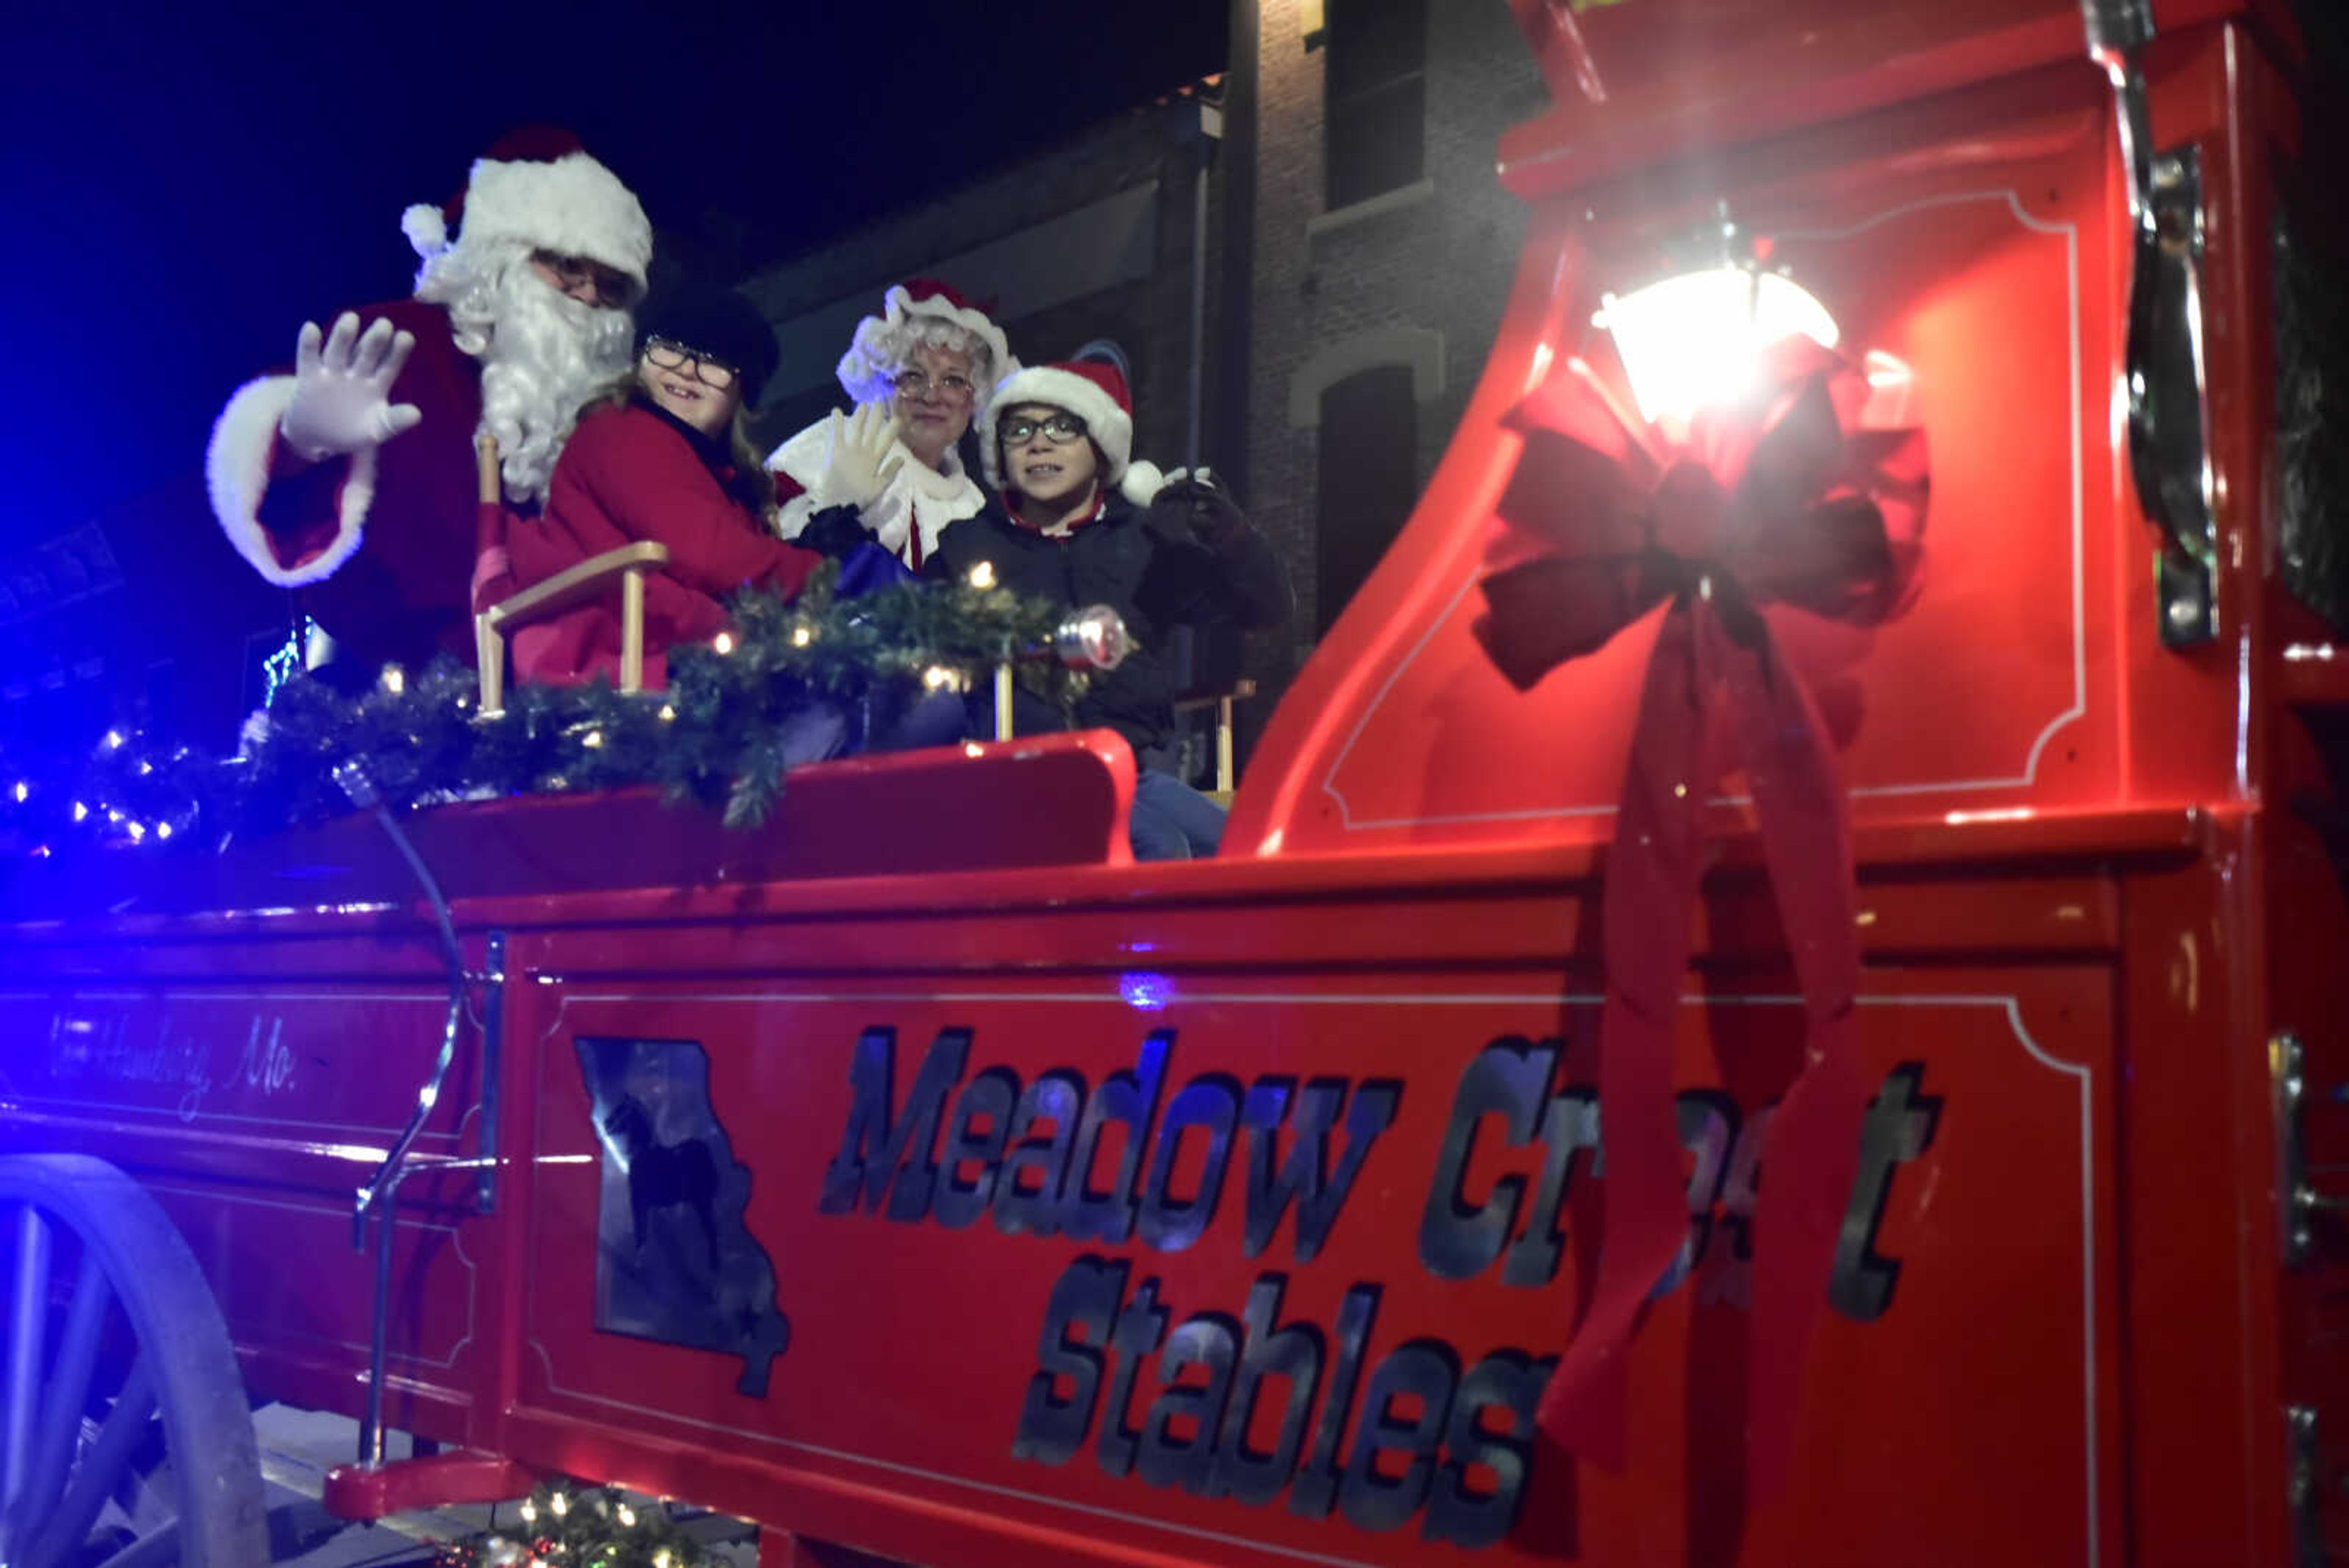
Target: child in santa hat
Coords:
[(1080, 523), (662, 455), (892, 471)]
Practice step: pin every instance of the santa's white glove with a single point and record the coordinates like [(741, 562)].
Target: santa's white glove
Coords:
[(342, 389), (862, 464)]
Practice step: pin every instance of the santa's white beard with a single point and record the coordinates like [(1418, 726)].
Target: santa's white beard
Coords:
[(543, 355)]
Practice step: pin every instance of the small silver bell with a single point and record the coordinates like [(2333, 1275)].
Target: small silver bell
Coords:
[(1094, 639)]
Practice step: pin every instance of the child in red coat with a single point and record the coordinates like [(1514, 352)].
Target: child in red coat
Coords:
[(662, 456)]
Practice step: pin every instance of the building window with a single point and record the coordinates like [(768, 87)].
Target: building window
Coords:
[(1376, 79), (1367, 482)]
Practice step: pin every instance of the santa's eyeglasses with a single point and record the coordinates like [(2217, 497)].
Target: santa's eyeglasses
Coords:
[(1060, 429), (670, 355), (572, 272)]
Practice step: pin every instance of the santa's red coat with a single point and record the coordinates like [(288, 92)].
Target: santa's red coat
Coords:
[(380, 545), (628, 475)]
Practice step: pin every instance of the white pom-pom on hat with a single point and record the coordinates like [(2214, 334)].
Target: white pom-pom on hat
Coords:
[(1143, 482), (426, 229)]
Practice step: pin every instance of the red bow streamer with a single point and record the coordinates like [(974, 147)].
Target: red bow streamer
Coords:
[(1780, 499)]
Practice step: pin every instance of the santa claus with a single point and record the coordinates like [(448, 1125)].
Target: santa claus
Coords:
[(351, 479)]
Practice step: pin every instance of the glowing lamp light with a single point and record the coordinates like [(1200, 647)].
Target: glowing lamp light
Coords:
[(723, 643), (983, 574), (22, 792), (801, 636), (1696, 339)]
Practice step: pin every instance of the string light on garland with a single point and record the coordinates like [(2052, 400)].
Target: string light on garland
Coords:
[(566, 1525), (716, 736)]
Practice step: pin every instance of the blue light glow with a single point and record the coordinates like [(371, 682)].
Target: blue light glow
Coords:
[(1145, 991), (280, 667)]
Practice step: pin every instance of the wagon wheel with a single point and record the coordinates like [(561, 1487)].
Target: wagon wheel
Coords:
[(116, 1361)]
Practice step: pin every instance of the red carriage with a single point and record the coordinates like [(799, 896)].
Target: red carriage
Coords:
[(986, 1199)]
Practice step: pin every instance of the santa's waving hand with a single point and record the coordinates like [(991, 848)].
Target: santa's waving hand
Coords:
[(342, 389)]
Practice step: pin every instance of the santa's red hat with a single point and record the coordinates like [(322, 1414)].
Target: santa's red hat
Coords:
[(1095, 391), (882, 344), (538, 187)]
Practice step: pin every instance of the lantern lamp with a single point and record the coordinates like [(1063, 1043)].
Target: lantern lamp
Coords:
[(1696, 338)]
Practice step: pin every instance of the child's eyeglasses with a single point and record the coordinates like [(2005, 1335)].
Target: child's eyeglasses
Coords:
[(1060, 429), (670, 355)]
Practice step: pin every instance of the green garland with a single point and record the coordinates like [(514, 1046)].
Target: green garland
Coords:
[(565, 1525), (718, 734)]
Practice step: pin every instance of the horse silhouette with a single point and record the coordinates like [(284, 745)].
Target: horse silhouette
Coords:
[(664, 1175)]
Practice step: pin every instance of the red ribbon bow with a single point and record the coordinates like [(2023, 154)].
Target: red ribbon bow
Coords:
[(1780, 499)]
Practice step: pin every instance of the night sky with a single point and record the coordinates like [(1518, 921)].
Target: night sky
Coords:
[(184, 183)]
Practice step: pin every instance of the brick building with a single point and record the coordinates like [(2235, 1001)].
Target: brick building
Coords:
[(1095, 238), (1382, 250), (1384, 247)]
